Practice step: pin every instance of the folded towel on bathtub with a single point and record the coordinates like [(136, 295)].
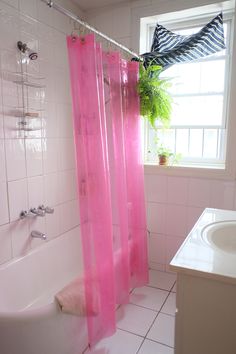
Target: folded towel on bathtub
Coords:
[(72, 298)]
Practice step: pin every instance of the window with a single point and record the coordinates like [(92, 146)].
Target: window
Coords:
[(199, 89)]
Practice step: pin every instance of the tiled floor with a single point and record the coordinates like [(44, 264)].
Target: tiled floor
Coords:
[(146, 325)]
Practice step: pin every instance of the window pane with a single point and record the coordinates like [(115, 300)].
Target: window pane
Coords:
[(182, 141), (203, 77), (212, 76), (184, 78), (167, 138), (197, 110), (195, 143), (210, 143), (151, 148)]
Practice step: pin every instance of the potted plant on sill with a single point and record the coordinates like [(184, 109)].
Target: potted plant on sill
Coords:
[(155, 100), (163, 155)]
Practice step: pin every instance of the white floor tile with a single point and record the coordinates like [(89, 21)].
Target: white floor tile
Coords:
[(150, 347), (161, 280), (149, 297), (170, 305), (135, 319), (120, 342), (162, 330)]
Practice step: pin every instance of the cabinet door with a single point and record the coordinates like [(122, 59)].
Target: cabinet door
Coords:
[(206, 316)]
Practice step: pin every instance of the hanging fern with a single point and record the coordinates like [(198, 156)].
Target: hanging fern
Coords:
[(155, 100)]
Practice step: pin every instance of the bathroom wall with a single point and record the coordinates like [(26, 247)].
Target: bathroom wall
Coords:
[(38, 166), (173, 202)]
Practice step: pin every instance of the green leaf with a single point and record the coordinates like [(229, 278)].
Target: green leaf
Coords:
[(155, 100)]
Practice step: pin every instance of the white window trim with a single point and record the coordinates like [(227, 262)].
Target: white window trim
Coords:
[(229, 172), (198, 22)]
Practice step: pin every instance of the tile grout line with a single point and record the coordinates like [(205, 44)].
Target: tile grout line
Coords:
[(155, 287), (155, 341), (125, 330), (155, 320), (171, 290), (140, 346)]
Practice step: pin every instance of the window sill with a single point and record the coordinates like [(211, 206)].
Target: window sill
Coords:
[(211, 172)]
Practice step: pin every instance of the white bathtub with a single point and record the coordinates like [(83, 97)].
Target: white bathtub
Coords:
[(30, 320)]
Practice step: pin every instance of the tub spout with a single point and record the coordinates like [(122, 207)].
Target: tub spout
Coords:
[(38, 234)]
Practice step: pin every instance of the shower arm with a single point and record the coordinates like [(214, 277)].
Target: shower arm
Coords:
[(74, 17)]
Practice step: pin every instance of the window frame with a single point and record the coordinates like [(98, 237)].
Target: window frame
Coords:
[(222, 140)]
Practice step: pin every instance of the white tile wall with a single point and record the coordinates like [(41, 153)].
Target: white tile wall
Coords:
[(173, 206), (156, 188), (36, 167), (5, 241), (156, 216), (18, 198), (20, 238), (176, 220), (177, 190), (157, 248), (2, 161), (222, 194), (51, 188), (15, 159), (34, 163), (199, 192), (35, 191), (50, 155)]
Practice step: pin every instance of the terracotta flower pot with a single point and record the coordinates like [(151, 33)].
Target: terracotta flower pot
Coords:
[(163, 160)]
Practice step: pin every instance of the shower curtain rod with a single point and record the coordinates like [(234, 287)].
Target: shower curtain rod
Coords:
[(74, 17)]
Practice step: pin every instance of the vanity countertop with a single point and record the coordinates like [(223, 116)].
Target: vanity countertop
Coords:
[(198, 257)]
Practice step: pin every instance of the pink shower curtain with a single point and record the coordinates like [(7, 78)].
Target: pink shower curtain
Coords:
[(110, 179)]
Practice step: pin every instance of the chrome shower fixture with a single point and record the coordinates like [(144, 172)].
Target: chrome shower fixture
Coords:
[(33, 55), (38, 234), (33, 212)]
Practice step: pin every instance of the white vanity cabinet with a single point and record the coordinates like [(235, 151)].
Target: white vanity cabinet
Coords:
[(206, 316), (206, 289)]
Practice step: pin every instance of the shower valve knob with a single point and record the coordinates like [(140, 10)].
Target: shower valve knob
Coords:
[(23, 214), (46, 209)]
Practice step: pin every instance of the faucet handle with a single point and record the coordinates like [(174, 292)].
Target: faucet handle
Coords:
[(38, 212), (23, 214), (46, 209), (49, 210)]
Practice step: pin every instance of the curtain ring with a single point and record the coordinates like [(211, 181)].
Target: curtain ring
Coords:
[(74, 32), (73, 35)]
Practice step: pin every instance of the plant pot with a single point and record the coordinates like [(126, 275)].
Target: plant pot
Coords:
[(163, 160)]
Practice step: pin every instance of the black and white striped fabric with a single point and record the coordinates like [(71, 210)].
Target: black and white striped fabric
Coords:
[(169, 48)]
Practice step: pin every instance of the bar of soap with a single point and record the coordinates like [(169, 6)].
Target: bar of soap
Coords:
[(32, 114)]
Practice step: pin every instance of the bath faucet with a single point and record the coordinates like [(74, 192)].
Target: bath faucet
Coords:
[(38, 234), (33, 212), (38, 212)]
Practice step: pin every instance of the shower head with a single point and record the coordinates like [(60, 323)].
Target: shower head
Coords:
[(33, 55)]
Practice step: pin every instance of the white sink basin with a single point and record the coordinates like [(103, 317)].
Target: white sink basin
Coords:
[(221, 234)]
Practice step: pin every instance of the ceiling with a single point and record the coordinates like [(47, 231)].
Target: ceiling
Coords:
[(94, 4)]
